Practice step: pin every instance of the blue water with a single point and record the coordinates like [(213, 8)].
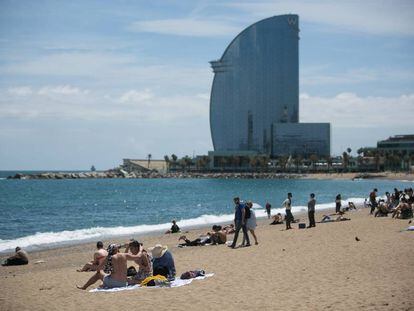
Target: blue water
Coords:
[(37, 213)]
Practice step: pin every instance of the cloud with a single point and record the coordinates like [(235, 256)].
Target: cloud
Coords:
[(322, 76), (20, 91), (348, 110), (186, 27), (61, 89), (71, 103), (373, 17), (135, 96)]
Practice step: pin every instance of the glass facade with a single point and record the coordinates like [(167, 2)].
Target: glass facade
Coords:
[(256, 84), (303, 139)]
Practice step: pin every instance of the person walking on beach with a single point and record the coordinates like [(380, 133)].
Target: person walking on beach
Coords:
[(239, 222), (373, 200), (251, 223), (268, 208), (287, 204), (311, 210), (338, 203)]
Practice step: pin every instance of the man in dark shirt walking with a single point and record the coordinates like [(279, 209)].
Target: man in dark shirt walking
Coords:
[(239, 222), (311, 210)]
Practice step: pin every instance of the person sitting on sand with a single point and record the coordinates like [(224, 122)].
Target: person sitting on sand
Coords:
[(382, 209), (403, 210), (99, 256), (277, 219), (229, 229), (219, 235), (144, 262), (114, 268), (174, 228), (163, 262), (18, 259), (350, 206)]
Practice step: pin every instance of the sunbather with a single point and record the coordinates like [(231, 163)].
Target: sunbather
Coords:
[(99, 256), (200, 241), (18, 259), (144, 262), (277, 219)]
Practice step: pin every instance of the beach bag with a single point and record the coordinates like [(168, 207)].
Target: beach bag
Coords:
[(131, 271), (192, 274), (156, 280)]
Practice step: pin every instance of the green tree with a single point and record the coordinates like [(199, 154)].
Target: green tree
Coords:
[(167, 161), (345, 160)]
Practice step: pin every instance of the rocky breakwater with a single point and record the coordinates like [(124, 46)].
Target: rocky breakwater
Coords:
[(120, 173)]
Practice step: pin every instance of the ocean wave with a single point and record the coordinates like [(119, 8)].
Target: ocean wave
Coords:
[(46, 240)]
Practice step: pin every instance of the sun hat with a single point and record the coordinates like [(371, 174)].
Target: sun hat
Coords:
[(158, 250)]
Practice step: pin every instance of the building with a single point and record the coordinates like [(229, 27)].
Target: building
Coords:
[(403, 144), (302, 139), (254, 104), (144, 165)]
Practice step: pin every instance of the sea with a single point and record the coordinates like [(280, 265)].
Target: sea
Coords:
[(44, 214)]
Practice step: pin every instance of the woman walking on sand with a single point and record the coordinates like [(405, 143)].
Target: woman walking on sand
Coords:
[(251, 223)]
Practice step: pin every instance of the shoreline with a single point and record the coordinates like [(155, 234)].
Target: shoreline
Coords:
[(260, 215)]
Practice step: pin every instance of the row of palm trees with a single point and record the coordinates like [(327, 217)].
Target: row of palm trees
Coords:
[(367, 160)]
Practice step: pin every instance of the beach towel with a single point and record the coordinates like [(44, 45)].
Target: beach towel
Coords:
[(175, 283)]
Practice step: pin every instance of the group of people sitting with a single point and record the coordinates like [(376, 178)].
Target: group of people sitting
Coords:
[(399, 204), (112, 269)]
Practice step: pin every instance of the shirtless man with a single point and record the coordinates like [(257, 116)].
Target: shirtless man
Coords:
[(219, 235), (114, 272), (144, 262), (99, 256), (20, 258)]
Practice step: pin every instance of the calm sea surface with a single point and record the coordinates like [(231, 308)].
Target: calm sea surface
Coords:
[(44, 213)]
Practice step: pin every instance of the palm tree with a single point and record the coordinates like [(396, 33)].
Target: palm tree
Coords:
[(329, 161), (174, 159), (167, 161), (345, 160)]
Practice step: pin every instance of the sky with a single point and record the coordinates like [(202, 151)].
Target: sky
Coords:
[(93, 82)]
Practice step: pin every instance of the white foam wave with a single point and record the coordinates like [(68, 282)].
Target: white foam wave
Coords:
[(46, 240)]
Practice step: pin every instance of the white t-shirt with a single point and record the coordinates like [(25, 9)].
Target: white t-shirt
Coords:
[(287, 204)]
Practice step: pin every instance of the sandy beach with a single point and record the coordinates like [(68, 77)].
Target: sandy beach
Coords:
[(322, 268)]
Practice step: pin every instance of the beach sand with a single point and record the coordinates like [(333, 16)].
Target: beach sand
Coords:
[(322, 268)]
